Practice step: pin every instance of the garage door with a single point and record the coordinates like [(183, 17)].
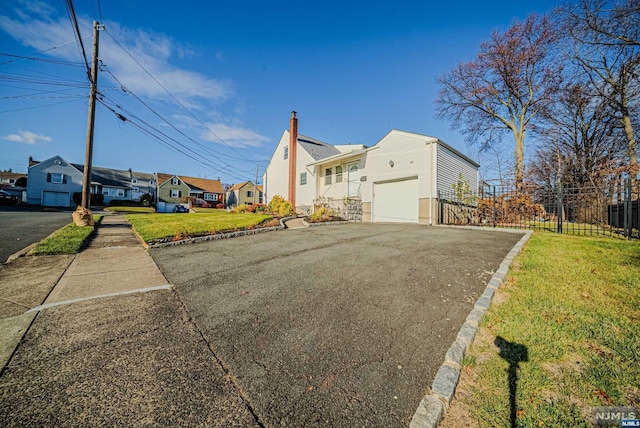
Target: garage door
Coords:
[(55, 199), (396, 201)]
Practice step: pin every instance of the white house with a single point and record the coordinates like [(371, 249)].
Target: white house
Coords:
[(395, 180)]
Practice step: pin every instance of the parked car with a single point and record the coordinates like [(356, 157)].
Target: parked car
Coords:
[(180, 209), (7, 198), (198, 202)]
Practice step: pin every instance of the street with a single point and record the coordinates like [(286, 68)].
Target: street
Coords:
[(21, 227)]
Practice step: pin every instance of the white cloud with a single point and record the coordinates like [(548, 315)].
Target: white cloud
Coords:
[(233, 136), (26, 137), (36, 26)]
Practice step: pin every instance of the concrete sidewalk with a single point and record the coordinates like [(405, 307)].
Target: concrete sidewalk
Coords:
[(101, 338)]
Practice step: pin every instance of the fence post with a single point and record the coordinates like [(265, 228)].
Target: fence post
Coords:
[(628, 216), (494, 206), (559, 206)]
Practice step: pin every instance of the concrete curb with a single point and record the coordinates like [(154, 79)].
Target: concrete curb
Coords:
[(433, 406)]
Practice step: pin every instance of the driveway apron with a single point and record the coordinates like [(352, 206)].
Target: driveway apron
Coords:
[(335, 326)]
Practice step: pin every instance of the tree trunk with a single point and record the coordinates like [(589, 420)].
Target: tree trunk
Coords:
[(519, 152), (631, 146)]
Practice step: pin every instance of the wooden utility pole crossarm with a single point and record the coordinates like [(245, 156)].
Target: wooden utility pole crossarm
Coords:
[(83, 214)]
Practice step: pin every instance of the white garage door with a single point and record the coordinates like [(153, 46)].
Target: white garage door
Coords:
[(396, 201), (55, 199)]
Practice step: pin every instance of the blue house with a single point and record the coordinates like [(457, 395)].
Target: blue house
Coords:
[(52, 183)]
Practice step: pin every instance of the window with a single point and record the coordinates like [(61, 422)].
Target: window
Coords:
[(327, 176), (136, 189), (151, 183), (175, 193), (209, 196), (175, 181), (286, 152), (120, 193), (303, 178), (134, 180), (338, 174), (57, 178), (249, 194)]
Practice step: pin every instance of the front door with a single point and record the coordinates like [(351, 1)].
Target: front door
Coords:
[(353, 179)]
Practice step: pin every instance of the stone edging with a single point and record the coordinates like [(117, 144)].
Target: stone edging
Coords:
[(215, 237), (324, 223), (432, 407)]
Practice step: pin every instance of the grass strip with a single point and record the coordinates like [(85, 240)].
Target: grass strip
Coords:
[(68, 240), (179, 226), (562, 337), (130, 209)]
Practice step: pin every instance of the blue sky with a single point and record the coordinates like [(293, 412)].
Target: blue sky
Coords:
[(230, 74)]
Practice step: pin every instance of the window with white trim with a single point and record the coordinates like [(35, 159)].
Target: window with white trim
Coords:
[(136, 189), (338, 174), (175, 193), (175, 181), (249, 194), (151, 183), (134, 180), (57, 178), (286, 152), (327, 176), (303, 178), (120, 193)]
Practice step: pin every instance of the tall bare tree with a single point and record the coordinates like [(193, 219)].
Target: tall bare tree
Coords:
[(607, 48), (503, 89), (579, 142)]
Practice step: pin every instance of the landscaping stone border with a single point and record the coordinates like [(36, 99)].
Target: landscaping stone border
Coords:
[(433, 406), (216, 236), (325, 223)]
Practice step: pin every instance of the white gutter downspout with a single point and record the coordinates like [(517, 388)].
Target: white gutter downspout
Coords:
[(434, 178)]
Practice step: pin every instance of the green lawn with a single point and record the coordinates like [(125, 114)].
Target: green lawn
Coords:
[(68, 240), (130, 209), (570, 313), (179, 226)]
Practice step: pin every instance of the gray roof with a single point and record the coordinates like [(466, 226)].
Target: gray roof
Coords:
[(316, 148), (114, 177)]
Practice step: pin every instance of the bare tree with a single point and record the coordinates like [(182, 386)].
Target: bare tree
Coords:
[(579, 142), (503, 89), (606, 47)]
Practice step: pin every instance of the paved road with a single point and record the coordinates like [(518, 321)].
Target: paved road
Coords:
[(339, 325), (21, 227)]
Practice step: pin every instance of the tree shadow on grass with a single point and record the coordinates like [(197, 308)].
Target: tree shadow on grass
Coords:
[(514, 354)]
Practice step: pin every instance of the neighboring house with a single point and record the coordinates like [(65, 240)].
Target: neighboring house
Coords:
[(53, 182), (10, 179), (245, 193), (395, 180), (175, 189)]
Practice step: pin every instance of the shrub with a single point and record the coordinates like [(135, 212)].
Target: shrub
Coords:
[(220, 206), (278, 206), (242, 208), (124, 203), (146, 200), (257, 208), (96, 198)]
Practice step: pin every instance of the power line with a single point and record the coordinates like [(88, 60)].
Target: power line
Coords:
[(34, 107), (33, 58), (42, 51), (174, 98), (208, 149), (76, 28)]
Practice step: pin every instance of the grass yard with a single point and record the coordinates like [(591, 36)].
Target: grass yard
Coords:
[(179, 226), (130, 209), (68, 240), (563, 331)]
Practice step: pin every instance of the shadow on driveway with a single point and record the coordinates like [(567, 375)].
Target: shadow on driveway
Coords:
[(335, 326)]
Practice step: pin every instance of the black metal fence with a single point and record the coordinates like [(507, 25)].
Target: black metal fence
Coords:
[(610, 210)]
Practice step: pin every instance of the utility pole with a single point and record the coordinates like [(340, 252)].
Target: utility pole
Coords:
[(84, 211), (255, 186)]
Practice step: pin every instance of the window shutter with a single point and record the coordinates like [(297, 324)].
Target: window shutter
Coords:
[(64, 179), (48, 177), (179, 193)]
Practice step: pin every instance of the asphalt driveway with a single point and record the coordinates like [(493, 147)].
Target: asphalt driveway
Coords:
[(338, 325)]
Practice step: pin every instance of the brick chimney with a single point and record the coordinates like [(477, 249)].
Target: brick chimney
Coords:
[(293, 149)]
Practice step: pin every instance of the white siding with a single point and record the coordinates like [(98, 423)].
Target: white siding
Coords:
[(450, 165), (411, 156), (276, 178)]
